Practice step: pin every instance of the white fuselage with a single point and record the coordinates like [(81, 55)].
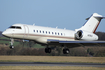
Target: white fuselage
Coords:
[(42, 34), (83, 36), (38, 33)]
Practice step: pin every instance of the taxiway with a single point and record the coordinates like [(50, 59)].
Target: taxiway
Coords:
[(51, 64)]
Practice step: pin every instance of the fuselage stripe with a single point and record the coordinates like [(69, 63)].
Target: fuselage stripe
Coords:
[(44, 35)]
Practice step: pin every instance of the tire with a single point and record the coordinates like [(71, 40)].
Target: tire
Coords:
[(48, 50), (66, 51), (11, 47)]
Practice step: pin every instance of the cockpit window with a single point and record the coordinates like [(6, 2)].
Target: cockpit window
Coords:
[(15, 27), (12, 27), (18, 27)]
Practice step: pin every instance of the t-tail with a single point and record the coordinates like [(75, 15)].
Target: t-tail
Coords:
[(92, 23), (86, 32)]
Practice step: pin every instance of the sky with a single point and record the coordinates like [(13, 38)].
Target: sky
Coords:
[(69, 14)]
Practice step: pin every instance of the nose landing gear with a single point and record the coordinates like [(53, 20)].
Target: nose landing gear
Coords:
[(11, 47), (12, 41)]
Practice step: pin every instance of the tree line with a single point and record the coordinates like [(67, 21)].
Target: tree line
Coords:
[(78, 51)]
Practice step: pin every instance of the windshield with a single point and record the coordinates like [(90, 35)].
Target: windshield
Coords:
[(15, 27)]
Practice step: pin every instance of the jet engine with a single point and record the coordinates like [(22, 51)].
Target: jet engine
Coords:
[(84, 35)]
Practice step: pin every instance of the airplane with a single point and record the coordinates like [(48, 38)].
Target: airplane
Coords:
[(84, 36)]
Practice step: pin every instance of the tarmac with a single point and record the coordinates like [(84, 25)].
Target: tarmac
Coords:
[(51, 64)]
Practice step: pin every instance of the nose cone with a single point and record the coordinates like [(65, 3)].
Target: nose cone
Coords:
[(7, 33), (4, 33)]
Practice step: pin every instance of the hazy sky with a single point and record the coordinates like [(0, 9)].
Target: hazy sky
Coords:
[(69, 14)]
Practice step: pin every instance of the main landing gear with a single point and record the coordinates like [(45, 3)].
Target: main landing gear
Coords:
[(65, 50), (48, 50)]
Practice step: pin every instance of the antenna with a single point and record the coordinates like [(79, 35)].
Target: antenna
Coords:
[(64, 28), (34, 24)]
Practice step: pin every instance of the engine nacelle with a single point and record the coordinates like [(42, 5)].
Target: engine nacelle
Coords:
[(83, 35)]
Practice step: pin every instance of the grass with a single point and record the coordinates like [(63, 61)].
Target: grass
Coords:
[(8, 42), (4, 38), (38, 46), (49, 68), (34, 46), (5, 41), (52, 59)]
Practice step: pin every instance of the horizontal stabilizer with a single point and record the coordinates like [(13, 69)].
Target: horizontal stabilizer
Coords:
[(99, 17)]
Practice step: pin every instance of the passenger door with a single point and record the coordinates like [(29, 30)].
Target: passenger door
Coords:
[(26, 32)]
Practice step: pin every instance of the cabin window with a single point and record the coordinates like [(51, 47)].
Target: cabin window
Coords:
[(40, 31), (61, 34), (46, 32), (58, 33), (34, 30), (55, 33), (49, 32), (37, 31), (52, 33), (43, 31)]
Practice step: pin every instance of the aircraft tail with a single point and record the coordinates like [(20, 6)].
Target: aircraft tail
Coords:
[(92, 23)]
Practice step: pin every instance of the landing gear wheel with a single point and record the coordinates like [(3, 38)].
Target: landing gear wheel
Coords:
[(66, 51), (11, 47), (48, 50)]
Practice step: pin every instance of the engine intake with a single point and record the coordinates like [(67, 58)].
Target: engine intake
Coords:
[(78, 35), (84, 35)]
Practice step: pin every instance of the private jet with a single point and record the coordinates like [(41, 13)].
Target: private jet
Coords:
[(84, 36)]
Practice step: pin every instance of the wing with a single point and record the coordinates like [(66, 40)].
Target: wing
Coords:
[(76, 43)]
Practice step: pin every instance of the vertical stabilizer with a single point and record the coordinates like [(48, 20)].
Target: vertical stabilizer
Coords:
[(92, 23)]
